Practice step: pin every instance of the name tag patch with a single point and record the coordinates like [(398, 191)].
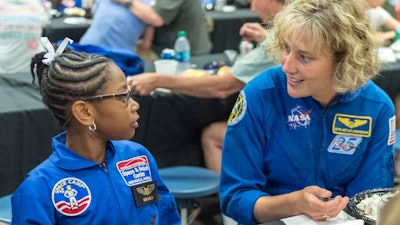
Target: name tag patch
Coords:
[(352, 125), (344, 144), (135, 170), (145, 193)]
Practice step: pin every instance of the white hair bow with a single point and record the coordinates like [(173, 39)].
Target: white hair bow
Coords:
[(51, 55)]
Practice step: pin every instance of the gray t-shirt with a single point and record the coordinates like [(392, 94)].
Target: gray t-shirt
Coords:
[(21, 27), (253, 63), (184, 15)]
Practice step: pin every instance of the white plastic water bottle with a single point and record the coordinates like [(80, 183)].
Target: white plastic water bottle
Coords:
[(182, 52)]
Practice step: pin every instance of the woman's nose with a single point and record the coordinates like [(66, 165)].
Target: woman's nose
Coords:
[(288, 63)]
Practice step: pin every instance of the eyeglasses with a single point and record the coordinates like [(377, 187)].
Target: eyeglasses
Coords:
[(125, 97)]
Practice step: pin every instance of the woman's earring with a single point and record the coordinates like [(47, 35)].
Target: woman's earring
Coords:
[(92, 127)]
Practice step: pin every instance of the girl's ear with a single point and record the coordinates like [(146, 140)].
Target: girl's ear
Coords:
[(83, 112)]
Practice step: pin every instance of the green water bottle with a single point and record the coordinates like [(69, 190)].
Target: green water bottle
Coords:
[(397, 37)]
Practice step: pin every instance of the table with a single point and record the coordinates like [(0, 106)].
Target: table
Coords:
[(225, 34)]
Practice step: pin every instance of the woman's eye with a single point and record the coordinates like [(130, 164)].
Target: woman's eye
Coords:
[(285, 48), (304, 58)]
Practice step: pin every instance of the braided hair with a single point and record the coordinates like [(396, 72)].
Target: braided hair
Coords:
[(70, 77)]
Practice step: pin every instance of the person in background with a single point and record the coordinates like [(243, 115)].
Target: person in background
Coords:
[(390, 212), (21, 27), (95, 174), (380, 18), (315, 127), (115, 26), (397, 9), (229, 81), (170, 16), (60, 5)]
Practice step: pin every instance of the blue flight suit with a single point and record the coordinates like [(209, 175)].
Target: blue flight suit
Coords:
[(276, 144), (69, 189)]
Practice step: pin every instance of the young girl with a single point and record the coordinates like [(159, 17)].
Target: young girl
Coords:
[(94, 175)]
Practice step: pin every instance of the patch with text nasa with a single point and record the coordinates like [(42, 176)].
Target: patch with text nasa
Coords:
[(299, 117)]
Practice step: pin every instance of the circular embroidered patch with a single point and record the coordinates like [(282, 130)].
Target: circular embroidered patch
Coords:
[(239, 109), (71, 196)]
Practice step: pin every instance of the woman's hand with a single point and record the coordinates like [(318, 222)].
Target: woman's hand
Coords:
[(309, 202)]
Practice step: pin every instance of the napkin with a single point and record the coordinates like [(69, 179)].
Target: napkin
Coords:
[(386, 54), (342, 219)]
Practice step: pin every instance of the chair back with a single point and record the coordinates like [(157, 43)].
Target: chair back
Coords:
[(5, 209)]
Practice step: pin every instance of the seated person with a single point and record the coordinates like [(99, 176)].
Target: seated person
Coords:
[(315, 127), (169, 17), (115, 26), (95, 174), (21, 22), (390, 212), (380, 18)]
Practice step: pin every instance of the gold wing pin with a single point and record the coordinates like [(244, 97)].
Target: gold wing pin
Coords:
[(352, 124), (146, 190)]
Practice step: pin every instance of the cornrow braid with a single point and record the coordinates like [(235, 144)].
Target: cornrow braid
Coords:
[(70, 77)]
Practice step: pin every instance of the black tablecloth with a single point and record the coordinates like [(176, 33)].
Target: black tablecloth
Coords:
[(225, 33)]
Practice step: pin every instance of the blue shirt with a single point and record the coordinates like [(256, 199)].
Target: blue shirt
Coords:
[(113, 26), (276, 144)]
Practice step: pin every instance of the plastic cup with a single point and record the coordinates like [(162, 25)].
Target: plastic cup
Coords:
[(166, 66)]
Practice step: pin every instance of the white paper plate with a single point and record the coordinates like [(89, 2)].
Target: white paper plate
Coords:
[(77, 20)]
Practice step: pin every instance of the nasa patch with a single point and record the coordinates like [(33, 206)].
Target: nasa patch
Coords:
[(239, 109), (299, 117), (71, 196)]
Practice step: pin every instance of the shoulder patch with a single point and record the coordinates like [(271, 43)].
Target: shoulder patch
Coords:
[(239, 109), (392, 130), (71, 196)]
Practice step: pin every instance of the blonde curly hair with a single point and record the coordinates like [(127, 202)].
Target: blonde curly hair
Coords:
[(336, 27)]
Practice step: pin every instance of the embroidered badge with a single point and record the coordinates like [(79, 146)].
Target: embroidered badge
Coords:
[(299, 118), (145, 193), (135, 170), (239, 109), (352, 125), (392, 130), (71, 196), (344, 144)]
